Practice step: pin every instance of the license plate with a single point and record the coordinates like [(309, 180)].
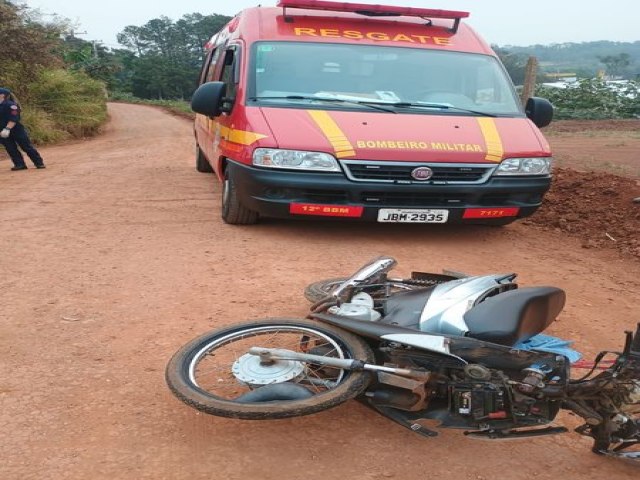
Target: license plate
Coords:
[(404, 215)]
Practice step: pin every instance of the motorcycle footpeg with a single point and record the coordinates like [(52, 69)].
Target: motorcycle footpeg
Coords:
[(514, 434), (405, 419)]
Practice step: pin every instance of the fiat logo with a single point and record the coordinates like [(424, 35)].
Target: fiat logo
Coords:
[(422, 173)]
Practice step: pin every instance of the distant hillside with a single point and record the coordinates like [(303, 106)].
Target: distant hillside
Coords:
[(584, 58)]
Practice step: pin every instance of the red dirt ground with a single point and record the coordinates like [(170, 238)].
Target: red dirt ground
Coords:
[(115, 256)]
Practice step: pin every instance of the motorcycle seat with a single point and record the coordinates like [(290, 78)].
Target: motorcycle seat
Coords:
[(515, 316)]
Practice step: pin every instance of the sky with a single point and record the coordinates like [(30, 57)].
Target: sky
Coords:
[(502, 22)]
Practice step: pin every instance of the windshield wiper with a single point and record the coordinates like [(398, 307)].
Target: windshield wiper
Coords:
[(442, 106), (372, 105)]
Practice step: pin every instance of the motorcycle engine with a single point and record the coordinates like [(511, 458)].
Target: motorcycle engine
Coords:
[(633, 398)]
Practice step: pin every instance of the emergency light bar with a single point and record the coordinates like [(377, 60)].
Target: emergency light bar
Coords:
[(375, 10)]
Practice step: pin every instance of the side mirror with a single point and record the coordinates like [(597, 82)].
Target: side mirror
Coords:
[(540, 111), (208, 99)]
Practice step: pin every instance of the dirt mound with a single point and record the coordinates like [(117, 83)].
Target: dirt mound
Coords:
[(597, 207)]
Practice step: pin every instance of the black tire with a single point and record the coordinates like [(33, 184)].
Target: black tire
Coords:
[(320, 290), (202, 164), (233, 212), (350, 385)]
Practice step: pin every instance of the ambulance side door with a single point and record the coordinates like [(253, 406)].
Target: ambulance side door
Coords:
[(230, 75), (204, 126)]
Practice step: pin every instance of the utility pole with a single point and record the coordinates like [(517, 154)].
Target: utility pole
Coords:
[(530, 77)]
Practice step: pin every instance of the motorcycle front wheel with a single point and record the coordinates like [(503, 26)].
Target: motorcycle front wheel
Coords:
[(215, 374)]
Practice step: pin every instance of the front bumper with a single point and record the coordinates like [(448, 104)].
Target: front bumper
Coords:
[(271, 193)]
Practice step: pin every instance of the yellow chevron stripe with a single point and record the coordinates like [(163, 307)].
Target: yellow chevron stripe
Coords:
[(492, 139), (241, 137), (336, 137)]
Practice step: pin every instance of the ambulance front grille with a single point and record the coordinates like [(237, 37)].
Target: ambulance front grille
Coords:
[(410, 199), (413, 199), (400, 172)]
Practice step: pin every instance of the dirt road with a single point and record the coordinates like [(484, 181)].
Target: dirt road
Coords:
[(115, 256)]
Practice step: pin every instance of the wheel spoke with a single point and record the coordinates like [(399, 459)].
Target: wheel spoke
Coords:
[(212, 370)]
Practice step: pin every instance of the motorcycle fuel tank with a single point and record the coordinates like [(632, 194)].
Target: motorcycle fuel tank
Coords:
[(448, 302)]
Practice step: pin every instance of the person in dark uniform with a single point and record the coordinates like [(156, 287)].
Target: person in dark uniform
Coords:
[(14, 135)]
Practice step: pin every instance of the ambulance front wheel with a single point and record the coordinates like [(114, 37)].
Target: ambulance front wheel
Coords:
[(233, 212)]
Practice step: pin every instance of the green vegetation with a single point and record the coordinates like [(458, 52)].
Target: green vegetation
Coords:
[(58, 101), (163, 58), (594, 99), (75, 102)]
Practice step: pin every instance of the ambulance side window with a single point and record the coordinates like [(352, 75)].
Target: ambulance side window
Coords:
[(210, 74), (229, 72)]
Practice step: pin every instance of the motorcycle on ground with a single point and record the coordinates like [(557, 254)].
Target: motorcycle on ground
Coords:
[(463, 352)]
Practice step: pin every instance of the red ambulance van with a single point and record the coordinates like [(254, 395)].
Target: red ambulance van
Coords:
[(369, 112)]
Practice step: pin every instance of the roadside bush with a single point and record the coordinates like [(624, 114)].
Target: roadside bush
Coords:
[(594, 99), (74, 102), (42, 127)]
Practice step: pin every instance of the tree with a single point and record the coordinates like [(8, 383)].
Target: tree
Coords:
[(57, 101), (166, 55), (27, 46), (616, 64), (514, 63)]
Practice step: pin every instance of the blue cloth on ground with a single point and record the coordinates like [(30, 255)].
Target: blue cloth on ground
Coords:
[(547, 343)]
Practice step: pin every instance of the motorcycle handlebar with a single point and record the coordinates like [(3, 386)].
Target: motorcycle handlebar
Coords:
[(371, 270)]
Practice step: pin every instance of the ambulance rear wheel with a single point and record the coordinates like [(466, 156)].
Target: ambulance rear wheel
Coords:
[(233, 212), (202, 164)]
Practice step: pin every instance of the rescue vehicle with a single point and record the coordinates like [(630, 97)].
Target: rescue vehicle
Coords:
[(380, 113)]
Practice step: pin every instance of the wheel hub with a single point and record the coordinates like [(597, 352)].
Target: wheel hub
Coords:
[(250, 370)]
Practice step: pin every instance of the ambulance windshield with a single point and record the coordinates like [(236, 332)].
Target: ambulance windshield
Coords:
[(409, 77)]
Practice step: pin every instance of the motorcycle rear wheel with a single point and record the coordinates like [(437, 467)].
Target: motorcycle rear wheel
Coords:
[(214, 391), (320, 290)]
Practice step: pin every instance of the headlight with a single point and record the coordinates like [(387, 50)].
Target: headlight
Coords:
[(275, 158), (525, 166)]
